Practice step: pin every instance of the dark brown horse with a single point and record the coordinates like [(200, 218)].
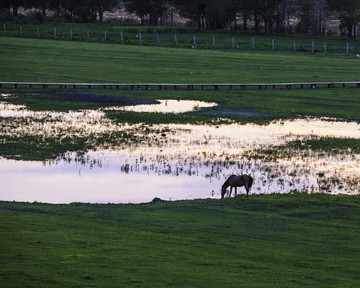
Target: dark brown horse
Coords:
[(237, 181)]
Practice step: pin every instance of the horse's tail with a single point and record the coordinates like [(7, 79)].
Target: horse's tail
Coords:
[(251, 181)]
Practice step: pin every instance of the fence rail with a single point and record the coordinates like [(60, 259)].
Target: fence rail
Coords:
[(189, 86)]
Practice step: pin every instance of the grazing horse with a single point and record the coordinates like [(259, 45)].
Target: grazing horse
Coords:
[(237, 181)]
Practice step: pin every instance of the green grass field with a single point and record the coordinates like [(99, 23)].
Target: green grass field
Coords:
[(296, 240), (264, 241), (62, 61)]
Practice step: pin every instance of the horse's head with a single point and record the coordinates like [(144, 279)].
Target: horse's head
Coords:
[(223, 191)]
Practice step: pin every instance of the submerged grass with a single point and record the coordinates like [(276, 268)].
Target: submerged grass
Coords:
[(264, 241), (42, 148), (324, 145)]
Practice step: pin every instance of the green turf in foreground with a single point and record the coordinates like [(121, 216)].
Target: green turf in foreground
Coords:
[(264, 241)]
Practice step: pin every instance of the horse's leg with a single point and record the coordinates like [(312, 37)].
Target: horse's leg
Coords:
[(235, 191), (230, 191), (247, 190)]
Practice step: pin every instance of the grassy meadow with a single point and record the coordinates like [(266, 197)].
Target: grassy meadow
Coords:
[(64, 61), (295, 240)]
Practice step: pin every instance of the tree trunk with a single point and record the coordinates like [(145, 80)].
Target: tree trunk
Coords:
[(245, 22), (350, 30), (314, 25), (287, 17), (320, 17), (257, 24), (278, 20), (171, 16), (101, 14), (354, 31), (15, 10), (235, 26)]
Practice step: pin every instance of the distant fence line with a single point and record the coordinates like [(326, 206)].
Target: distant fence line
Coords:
[(229, 45), (191, 86)]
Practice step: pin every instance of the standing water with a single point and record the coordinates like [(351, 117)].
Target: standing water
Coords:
[(175, 162)]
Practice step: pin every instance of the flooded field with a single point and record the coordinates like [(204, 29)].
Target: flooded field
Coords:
[(173, 161)]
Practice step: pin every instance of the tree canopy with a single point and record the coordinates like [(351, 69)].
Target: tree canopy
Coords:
[(269, 16)]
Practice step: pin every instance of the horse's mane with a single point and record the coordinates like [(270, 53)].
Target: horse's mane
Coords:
[(226, 183)]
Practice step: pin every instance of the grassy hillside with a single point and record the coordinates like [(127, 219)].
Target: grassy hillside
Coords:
[(263, 241)]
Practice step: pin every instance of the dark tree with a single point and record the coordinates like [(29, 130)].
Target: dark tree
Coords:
[(348, 12)]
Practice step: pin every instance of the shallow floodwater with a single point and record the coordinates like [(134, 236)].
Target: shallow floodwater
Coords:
[(167, 106), (180, 162)]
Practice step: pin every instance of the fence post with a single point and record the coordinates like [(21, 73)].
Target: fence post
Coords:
[(88, 35), (140, 39), (71, 37), (294, 46), (272, 45), (37, 32), (194, 42), (213, 42), (4, 30), (313, 48), (54, 33), (175, 41), (232, 43), (253, 44), (105, 36), (325, 48), (158, 40), (347, 48), (122, 38), (21, 32)]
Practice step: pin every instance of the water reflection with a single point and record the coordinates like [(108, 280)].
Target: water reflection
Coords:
[(167, 106), (173, 162), (64, 183)]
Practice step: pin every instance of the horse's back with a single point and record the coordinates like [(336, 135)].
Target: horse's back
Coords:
[(240, 180), (236, 180)]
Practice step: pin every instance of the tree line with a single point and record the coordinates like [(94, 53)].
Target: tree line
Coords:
[(269, 16), (81, 10)]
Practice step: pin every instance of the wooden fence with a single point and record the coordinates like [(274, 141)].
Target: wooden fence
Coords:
[(190, 86), (233, 43)]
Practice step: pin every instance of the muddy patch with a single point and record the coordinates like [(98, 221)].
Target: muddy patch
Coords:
[(105, 99), (229, 111)]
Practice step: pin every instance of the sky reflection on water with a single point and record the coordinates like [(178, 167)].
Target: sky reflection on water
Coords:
[(190, 161), (166, 106)]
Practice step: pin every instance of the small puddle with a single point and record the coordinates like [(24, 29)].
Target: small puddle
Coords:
[(175, 162)]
